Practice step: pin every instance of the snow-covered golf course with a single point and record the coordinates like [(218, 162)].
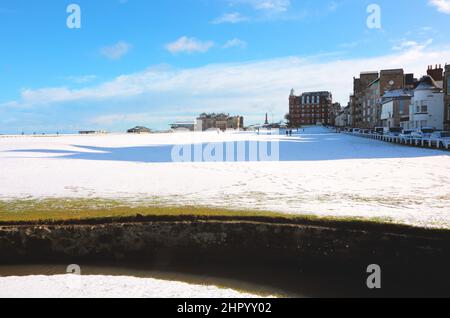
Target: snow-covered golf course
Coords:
[(318, 172)]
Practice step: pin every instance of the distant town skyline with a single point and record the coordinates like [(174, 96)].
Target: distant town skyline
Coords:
[(136, 62)]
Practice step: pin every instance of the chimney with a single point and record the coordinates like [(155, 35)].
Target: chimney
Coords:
[(437, 73)]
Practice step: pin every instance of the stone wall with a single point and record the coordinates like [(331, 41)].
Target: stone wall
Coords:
[(259, 240)]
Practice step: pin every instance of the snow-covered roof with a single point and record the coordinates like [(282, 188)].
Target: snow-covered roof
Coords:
[(427, 83), (397, 93)]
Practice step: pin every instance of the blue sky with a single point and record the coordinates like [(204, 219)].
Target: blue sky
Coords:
[(140, 62)]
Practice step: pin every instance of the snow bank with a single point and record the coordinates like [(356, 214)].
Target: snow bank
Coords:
[(319, 172)]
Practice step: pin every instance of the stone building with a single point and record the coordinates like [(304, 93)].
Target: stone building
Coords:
[(333, 113), (183, 126), (343, 118), (139, 130), (310, 108), (356, 100), (219, 121), (368, 90), (370, 105), (395, 108), (447, 98)]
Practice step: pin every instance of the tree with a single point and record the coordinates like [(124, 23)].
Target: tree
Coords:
[(287, 117)]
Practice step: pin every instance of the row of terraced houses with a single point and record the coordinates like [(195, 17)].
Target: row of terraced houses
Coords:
[(388, 98)]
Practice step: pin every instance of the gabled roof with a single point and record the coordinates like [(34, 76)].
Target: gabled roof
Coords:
[(427, 83)]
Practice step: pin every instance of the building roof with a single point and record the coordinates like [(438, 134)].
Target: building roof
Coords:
[(373, 82), (394, 70), (427, 83), (184, 123), (369, 73), (139, 128), (317, 93), (396, 93)]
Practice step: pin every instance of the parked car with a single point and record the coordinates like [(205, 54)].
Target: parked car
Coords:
[(407, 134), (423, 133), (416, 134), (441, 135), (441, 138), (427, 132), (379, 130), (395, 132)]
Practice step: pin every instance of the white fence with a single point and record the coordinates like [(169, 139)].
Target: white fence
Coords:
[(410, 141)]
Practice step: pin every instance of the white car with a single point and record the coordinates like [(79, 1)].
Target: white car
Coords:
[(443, 137)]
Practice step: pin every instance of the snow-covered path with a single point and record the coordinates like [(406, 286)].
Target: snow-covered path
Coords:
[(319, 172)]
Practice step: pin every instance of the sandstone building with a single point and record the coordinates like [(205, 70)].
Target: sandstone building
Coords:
[(219, 121)]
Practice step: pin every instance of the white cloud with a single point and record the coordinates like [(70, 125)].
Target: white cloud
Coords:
[(441, 5), (233, 18), (134, 119), (271, 5), (235, 43), (116, 51), (189, 45), (245, 88), (408, 44), (83, 79), (265, 5)]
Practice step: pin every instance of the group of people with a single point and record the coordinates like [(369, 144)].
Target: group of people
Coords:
[(289, 131)]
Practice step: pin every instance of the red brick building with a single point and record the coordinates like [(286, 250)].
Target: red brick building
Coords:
[(310, 108)]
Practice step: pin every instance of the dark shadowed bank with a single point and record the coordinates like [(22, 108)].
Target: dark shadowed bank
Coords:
[(298, 257)]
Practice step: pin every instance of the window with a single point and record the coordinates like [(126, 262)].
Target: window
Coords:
[(401, 107), (424, 109)]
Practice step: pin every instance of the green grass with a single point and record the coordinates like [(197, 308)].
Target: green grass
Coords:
[(109, 210), (85, 209), (57, 210)]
